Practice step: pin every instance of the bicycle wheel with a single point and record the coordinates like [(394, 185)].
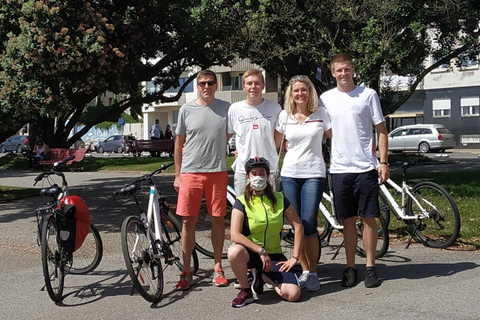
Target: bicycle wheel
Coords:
[(384, 208), (203, 231), (172, 241), (53, 266), (287, 236), (144, 270), (323, 225), (383, 239), (442, 228), (89, 255)]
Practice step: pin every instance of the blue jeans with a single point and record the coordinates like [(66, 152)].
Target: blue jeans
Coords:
[(305, 196)]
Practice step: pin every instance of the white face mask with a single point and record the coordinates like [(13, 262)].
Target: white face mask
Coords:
[(258, 183)]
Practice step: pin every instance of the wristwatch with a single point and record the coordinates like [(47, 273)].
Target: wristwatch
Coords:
[(262, 251)]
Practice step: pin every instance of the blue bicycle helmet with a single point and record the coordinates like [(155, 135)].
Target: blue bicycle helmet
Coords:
[(257, 162)]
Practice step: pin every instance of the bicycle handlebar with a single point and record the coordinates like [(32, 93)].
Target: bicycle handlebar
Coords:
[(54, 170), (132, 187)]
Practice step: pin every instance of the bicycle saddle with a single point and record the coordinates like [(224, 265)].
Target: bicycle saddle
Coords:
[(52, 191)]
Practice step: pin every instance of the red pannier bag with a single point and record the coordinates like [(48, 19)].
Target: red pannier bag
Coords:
[(82, 217)]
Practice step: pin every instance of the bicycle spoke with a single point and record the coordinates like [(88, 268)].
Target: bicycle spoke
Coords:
[(442, 227)]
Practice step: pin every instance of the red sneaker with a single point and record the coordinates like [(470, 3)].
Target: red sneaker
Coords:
[(185, 281), (220, 280)]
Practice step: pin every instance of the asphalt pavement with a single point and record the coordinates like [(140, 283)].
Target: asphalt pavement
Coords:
[(418, 283)]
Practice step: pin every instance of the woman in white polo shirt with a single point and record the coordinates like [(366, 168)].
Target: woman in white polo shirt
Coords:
[(303, 172)]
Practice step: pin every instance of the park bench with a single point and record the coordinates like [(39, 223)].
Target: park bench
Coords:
[(58, 154), (155, 146)]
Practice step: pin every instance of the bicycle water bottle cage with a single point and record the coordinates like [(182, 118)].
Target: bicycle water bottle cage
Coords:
[(53, 191)]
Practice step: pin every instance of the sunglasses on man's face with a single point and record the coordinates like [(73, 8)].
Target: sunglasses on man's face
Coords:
[(204, 83)]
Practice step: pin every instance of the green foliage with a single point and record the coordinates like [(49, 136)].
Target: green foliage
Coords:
[(58, 55), (383, 36)]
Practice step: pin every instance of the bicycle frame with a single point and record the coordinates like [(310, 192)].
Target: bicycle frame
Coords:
[(404, 190)]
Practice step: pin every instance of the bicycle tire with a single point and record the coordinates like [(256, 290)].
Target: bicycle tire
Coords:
[(52, 264), (287, 237), (88, 256), (442, 229), (384, 208), (144, 270), (323, 225), (203, 231), (383, 239), (171, 235)]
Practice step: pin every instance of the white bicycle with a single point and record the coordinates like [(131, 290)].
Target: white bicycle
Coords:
[(330, 223), (427, 207), (149, 236)]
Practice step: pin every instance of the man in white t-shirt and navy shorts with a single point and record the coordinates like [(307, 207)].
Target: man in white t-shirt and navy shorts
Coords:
[(201, 169), (354, 112), (253, 122)]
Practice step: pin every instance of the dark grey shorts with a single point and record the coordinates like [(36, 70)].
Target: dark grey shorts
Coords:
[(356, 194)]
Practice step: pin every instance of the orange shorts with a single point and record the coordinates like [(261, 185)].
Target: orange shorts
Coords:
[(192, 188)]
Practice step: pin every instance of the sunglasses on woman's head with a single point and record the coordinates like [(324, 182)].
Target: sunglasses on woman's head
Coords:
[(299, 77)]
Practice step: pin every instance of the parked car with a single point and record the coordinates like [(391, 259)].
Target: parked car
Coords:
[(231, 145), (421, 137), (116, 143), (18, 144)]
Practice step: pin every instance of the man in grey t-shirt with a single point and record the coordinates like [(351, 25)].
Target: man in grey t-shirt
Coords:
[(201, 169)]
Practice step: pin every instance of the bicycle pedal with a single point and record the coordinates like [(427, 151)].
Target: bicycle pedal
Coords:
[(172, 259)]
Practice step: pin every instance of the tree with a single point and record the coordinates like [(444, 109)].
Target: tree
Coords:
[(57, 55), (289, 37)]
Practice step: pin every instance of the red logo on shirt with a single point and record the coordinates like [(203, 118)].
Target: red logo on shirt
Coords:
[(255, 126)]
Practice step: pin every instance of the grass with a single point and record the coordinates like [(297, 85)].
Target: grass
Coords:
[(12, 193), (462, 185)]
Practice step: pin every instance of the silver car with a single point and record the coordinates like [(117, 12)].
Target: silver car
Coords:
[(421, 137)]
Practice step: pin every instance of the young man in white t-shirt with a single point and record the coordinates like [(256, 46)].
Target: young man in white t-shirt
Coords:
[(354, 112), (253, 122)]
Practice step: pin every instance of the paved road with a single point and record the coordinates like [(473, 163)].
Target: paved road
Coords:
[(418, 282)]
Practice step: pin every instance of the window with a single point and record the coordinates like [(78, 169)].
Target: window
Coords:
[(470, 106), (152, 88), (466, 62), (442, 67), (175, 117), (231, 82), (181, 81), (441, 108)]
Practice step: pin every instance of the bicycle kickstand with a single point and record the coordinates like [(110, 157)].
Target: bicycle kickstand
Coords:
[(411, 236), (338, 249)]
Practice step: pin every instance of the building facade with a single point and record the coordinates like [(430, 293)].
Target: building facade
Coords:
[(229, 89), (449, 95)]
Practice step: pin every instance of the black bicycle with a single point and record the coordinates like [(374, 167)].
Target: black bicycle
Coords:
[(58, 258)]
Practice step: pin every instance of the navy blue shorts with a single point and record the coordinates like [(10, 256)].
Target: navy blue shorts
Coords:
[(275, 275), (356, 194)]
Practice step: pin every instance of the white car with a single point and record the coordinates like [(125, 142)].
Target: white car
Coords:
[(421, 137)]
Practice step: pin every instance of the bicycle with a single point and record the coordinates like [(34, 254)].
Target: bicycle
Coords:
[(149, 236), (57, 259), (203, 228), (427, 207), (330, 223)]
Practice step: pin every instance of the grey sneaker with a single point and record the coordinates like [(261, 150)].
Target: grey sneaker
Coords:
[(302, 280), (312, 283), (350, 277), (371, 279)]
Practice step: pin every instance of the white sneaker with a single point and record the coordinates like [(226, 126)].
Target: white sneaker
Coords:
[(312, 283), (302, 280)]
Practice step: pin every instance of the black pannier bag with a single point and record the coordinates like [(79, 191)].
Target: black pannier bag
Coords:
[(66, 224)]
